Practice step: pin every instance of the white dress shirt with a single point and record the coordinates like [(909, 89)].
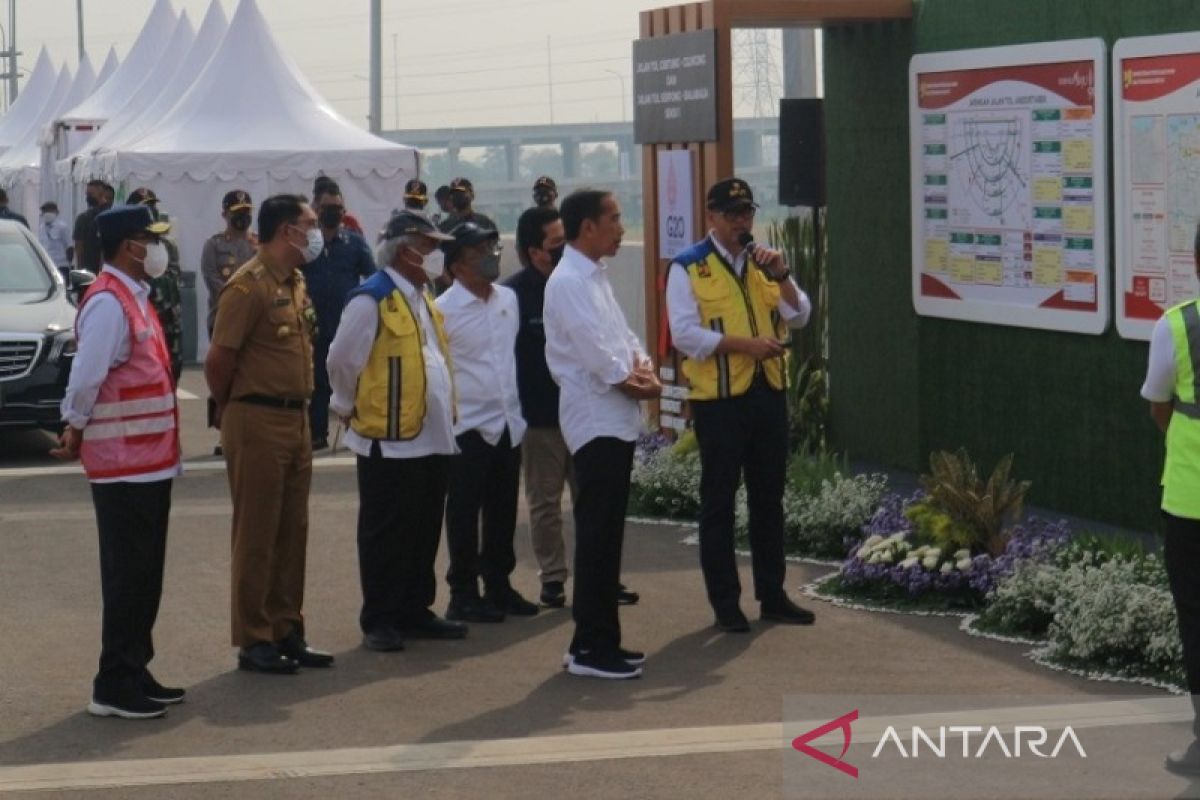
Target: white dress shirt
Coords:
[(56, 238), (689, 336), (483, 340), (590, 349), (1159, 386), (104, 345), (348, 354)]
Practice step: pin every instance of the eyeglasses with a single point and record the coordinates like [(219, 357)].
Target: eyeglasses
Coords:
[(739, 215)]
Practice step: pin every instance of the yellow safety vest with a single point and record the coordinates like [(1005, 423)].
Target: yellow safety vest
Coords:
[(390, 402), (748, 306), (1181, 472)]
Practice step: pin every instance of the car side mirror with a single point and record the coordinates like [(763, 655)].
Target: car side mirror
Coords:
[(77, 282)]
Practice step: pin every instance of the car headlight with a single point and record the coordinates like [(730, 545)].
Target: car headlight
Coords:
[(62, 346)]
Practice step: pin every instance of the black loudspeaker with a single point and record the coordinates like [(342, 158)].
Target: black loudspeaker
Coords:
[(801, 153)]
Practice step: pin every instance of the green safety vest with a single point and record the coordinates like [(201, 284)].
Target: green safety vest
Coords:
[(1181, 473)]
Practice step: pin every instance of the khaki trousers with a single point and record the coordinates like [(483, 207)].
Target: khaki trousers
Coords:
[(268, 458), (547, 463)]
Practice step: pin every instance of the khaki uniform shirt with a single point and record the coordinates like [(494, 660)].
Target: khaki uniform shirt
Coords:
[(264, 314), (220, 258)]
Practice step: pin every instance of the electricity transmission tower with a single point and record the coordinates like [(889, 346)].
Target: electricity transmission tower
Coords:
[(757, 73)]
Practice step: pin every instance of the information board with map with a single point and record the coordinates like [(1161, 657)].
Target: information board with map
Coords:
[(1009, 185), (1156, 156)]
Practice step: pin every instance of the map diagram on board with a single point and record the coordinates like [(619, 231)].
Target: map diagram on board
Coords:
[(989, 157), (1183, 179)]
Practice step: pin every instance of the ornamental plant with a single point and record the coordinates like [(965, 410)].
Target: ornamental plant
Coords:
[(980, 511)]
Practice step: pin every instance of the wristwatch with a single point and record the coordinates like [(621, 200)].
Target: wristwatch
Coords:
[(780, 278)]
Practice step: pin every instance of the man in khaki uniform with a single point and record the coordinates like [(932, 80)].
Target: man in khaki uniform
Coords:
[(260, 373), (224, 252)]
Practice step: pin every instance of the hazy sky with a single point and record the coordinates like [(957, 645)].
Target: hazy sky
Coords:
[(460, 62)]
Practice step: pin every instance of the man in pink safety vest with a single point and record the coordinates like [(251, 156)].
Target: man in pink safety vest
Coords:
[(122, 421)]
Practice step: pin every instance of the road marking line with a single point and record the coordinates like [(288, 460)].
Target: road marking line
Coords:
[(321, 462), (571, 748)]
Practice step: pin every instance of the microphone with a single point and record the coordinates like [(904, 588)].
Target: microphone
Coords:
[(745, 239)]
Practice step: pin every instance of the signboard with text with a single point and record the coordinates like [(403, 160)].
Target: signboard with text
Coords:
[(675, 88), (674, 202)]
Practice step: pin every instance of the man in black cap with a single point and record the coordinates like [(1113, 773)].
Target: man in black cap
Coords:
[(166, 291), (462, 200), (442, 198), (393, 389), (224, 252), (481, 325), (730, 304), (545, 192), (130, 453), (344, 262), (54, 236), (416, 195), (99, 198)]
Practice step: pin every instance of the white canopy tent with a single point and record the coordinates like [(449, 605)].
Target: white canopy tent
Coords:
[(106, 70), (19, 172), (251, 121), (25, 110), (179, 66)]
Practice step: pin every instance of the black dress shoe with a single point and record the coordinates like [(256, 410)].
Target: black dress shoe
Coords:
[(473, 609), (157, 692), (782, 609), (384, 640), (625, 597), (510, 601), (434, 627), (264, 657), (294, 647), (320, 444), (732, 620), (553, 594), (1185, 762), (126, 703)]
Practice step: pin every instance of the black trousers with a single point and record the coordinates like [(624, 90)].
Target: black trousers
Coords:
[(318, 407), (132, 520), (400, 505), (745, 434), (602, 470), (484, 481), (1181, 557)]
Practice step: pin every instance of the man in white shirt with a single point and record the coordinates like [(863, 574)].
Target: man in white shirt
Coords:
[(389, 370), (122, 420), (485, 477), (603, 372), (730, 304), (54, 235)]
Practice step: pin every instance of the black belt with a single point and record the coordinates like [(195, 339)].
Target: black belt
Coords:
[(271, 402)]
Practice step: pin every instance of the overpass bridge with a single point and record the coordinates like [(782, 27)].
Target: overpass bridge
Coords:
[(498, 159)]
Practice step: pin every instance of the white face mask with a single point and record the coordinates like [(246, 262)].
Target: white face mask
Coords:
[(155, 259), (316, 244), (433, 264), (49, 216)]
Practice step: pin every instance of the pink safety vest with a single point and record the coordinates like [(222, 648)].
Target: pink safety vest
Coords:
[(134, 428)]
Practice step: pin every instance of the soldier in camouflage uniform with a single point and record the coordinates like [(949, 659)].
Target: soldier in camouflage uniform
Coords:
[(166, 291)]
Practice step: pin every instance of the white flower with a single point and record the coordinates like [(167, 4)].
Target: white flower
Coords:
[(934, 551), (920, 551), (946, 568), (961, 554), (887, 558), (963, 565), (863, 552), (874, 559), (909, 562), (874, 540), (897, 537), (930, 562)]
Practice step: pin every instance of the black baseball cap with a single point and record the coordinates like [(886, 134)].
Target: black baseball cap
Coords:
[(124, 222), (462, 185), (142, 196), (545, 182), (731, 194), (416, 190), (410, 221), (236, 201), (467, 234)]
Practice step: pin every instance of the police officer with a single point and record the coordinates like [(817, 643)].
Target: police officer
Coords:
[(730, 305), (416, 195), (344, 262), (442, 198), (260, 374), (224, 252), (545, 192), (130, 452), (462, 200), (166, 291), (389, 366), (1170, 387), (99, 197)]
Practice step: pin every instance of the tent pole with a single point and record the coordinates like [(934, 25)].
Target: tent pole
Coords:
[(79, 18), (375, 115)]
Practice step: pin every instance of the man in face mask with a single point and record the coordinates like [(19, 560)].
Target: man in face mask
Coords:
[(224, 252), (416, 195), (389, 367), (166, 290), (54, 236), (260, 374), (481, 324), (99, 198), (343, 263), (462, 200)]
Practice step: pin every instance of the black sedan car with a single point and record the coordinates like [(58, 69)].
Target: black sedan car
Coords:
[(37, 336)]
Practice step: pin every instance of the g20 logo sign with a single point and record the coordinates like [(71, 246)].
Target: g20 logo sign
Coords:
[(676, 227)]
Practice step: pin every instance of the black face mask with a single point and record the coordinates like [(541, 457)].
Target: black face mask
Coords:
[(330, 217), (544, 199), (556, 254), (240, 222), (91, 200), (461, 201)]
